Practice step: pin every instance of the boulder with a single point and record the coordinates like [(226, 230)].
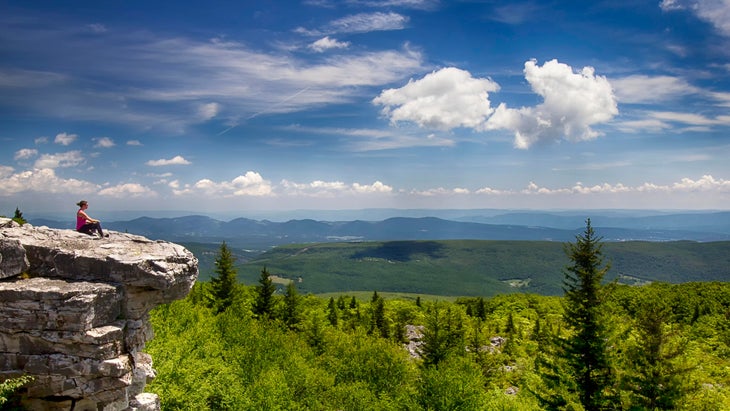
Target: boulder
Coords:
[(75, 314)]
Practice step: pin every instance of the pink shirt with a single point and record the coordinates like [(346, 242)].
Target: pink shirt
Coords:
[(80, 220)]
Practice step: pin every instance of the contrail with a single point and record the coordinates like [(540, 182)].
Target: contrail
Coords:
[(273, 106)]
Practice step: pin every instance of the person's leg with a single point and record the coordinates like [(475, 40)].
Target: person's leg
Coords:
[(87, 229)]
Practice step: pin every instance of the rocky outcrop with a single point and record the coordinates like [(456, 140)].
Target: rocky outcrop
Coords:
[(74, 314)]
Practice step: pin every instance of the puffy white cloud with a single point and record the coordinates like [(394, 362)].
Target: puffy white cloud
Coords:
[(440, 191), (25, 153), (572, 103), (67, 159), (326, 43), (177, 160), (249, 184), (319, 188), (128, 190), (65, 139), (104, 142), (444, 99), (42, 181), (134, 143)]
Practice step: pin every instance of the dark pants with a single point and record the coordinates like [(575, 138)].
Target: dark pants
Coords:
[(89, 229)]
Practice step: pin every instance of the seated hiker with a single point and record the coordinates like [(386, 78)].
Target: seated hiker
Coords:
[(86, 224)]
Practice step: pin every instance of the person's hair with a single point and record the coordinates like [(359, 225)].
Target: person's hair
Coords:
[(81, 203)]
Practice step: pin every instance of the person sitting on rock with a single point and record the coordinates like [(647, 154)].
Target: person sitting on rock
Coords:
[(86, 224)]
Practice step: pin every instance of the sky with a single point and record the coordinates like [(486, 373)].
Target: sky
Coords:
[(236, 106)]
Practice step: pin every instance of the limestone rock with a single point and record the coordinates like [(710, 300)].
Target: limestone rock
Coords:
[(75, 314)]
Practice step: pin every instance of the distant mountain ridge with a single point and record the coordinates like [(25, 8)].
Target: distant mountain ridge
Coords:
[(710, 226)]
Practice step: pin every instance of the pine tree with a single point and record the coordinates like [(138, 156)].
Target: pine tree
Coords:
[(223, 285), (263, 305), (656, 374), (292, 316), (18, 217), (332, 312), (586, 350)]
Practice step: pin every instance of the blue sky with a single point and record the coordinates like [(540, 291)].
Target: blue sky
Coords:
[(322, 104)]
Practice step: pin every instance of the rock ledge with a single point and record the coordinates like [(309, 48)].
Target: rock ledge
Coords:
[(74, 312)]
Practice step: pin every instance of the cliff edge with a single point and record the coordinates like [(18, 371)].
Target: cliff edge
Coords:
[(74, 314)]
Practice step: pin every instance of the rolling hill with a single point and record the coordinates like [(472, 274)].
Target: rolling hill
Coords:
[(478, 268)]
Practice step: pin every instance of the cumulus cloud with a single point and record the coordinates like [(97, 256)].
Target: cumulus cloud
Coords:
[(42, 181), (444, 99), (249, 184), (68, 159), (128, 190), (321, 188), (326, 43), (25, 153), (177, 160), (134, 143), (440, 191), (104, 142), (65, 139), (572, 103)]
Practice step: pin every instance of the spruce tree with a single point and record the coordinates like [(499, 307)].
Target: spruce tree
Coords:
[(223, 285), (18, 217), (586, 349), (292, 316), (263, 305), (332, 312)]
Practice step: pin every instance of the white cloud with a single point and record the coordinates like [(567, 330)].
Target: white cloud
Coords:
[(65, 139), (249, 184), (134, 143), (41, 140), (368, 22), (444, 99), (208, 111), (650, 89), (42, 181), (25, 153), (573, 102), (128, 190), (715, 12), (321, 188), (177, 160), (440, 191), (67, 159), (5, 171), (104, 142), (326, 43)]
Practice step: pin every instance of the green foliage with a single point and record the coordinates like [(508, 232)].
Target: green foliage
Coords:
[(11, 385), (234, 360), (263, 305), (18, 217), (478, 268), (223, 285)]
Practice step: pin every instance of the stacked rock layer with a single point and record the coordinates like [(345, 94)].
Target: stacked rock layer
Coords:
[(74, 314)]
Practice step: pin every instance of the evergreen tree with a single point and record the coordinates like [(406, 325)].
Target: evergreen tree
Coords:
[(18, 217), (586, 349), (443, 334), (224, 283), (263, 305), (332, 312), (654, 377), (378, 321), (292, 316)]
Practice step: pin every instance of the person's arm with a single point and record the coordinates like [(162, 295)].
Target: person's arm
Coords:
[(86, 216)]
